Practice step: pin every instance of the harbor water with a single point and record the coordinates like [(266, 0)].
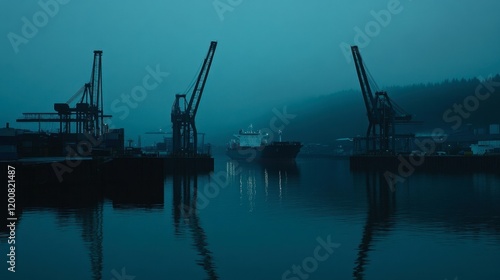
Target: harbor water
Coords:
[(312, 219)]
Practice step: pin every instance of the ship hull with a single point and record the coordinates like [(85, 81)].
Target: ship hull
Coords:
[(275, 151)]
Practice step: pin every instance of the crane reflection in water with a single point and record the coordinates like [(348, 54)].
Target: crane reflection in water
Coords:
[(185, 195), (379, 219)]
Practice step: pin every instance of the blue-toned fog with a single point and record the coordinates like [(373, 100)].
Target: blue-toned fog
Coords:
[(270, 53)]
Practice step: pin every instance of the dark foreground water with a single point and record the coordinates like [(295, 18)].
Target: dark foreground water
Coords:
[(311, 220)]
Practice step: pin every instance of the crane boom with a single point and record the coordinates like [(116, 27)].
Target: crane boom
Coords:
[(194, 102), (363, 82)]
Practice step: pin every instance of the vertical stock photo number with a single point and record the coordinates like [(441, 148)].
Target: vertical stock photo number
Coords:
[(11, 217)]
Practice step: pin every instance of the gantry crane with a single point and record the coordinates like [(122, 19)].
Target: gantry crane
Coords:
[(184, 133), (383, 114), (88, 114)]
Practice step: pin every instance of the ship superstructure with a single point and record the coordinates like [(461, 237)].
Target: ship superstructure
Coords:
[(254, 145)]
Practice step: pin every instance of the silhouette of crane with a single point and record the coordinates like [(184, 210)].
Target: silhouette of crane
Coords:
[(88, 113), (383, 113), (184, 132)]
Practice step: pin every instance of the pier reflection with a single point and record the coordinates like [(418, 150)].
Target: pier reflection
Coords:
[(185, 214), (133, 195), (81, 206), (459, 205)]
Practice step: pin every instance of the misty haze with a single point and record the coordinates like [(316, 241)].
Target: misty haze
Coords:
[(235, 139)]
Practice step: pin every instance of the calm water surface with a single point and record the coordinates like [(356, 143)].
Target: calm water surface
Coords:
[(314, 219)]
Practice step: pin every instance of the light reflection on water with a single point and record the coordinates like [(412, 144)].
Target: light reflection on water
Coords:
[(264, 221)]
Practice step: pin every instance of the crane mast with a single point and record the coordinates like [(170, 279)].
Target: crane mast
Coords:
[(96, 119), (183, 115), (90, 108)]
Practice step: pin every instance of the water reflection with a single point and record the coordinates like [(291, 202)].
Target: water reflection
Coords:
[(453, 205), (267, 176), (81, 206), (379, 219), (185, 191), (455, 217), (91, 221), (462, 204), (137, 195)]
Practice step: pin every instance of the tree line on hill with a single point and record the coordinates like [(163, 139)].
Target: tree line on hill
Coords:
[(452, 105)]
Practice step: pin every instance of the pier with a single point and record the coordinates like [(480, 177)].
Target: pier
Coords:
[(100, 170), (445, 163)]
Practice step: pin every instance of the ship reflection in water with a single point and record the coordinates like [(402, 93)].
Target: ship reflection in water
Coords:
[(275, 177), (266, 217)]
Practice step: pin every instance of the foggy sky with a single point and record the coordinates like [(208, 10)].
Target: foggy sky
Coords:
[(269, 54)]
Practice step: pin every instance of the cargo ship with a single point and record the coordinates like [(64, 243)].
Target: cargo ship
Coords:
[(253, 145)]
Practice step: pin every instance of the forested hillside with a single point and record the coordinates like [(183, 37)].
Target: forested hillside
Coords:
[(342, 114)]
